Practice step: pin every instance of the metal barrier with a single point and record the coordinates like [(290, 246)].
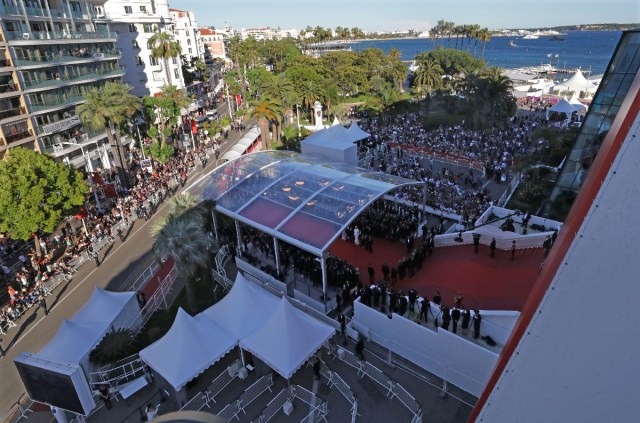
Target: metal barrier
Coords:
[(232, 410), (207, 396), (320, 408), (274, 406), (394, 389), (219, 273), (18, 410)]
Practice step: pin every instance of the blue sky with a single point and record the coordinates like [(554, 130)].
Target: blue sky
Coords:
[(384, 15)]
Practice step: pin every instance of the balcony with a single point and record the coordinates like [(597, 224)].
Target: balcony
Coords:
[(56, 101), (8, 113), (59, 36), (68, 78), (70, 57), (8, 87), (5, 63), (26, 133)]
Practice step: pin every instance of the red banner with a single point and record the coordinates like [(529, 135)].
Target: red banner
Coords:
[(110, 191)]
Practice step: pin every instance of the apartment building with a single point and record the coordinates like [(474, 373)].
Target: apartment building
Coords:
[(51, 52), (135, 22), (211, 45), (185, 32)]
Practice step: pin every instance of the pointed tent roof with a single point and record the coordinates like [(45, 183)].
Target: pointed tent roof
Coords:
[(103, 306), (188, 349), (576, 103), (335, 121), (287, 339), (577, 82), (244, 309), (356, 133), (73, 341), (562, 106)]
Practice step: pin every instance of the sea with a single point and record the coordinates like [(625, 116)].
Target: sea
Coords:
[(589, 51)]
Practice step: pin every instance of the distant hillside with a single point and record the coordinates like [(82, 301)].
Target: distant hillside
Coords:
[(595, 27)]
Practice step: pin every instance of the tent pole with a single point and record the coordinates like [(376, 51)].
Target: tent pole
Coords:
[(241, 356), (215, 225), (323, 265), (276, 253), (238, 238)]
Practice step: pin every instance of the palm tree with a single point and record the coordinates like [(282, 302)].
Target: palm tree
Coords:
[(485, 36), (497, 90), (473, 33), (280, 87), (309, 93), (164, 47), (182, 237), (108, 108), (264, 110), (429, 73), (177, 99)]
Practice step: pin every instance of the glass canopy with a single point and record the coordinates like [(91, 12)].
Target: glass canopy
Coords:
[(302, 201)]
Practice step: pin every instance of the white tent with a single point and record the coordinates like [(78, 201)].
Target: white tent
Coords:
[(77, 337), (336, 144), (288, 339), (576, 103), (576, 83), (563, 106), (188, 349), (244, 309), (73, 341), (107, 306)]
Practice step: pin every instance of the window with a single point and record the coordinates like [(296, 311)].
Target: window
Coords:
[(138, 60), (190, 51), (153, 61), (128, 9), (143, 9), (176, 74), (147, 28), (132, 27), (187, 32), (189, 42), (174, 60)]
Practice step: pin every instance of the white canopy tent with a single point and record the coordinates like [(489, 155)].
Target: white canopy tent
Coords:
[(244, 309), (287, 339), (563, 106), (77, 337), (188, 349), (336, 143), (577, 83), (74, 341), (107, 307), (576, 103)]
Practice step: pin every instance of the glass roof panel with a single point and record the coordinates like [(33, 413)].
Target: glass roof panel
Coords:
[(300, 198)]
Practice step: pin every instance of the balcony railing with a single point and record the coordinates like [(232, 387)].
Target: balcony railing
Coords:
[(55, 58), (18, 136), (56, 101), (17, 111), (66, 78), (7, 88), (5, 63), (53, 35)]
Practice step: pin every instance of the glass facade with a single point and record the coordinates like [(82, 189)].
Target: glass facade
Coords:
[(613, 88)]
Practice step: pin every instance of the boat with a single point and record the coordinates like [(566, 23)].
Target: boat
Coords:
[(530, 37), (512, 44), (556, 38)]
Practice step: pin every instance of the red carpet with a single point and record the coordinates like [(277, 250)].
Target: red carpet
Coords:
[(153, 284), (485, 283)]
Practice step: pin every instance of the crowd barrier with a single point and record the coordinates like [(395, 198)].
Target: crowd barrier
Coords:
[(207, 396), (236, 407)]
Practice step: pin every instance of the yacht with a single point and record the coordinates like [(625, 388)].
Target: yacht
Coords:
[(530, 37), (512, 44)]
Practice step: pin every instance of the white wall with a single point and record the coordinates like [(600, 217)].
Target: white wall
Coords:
[(447, 355)]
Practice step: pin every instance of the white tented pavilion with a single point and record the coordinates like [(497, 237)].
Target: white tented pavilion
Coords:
[(563, 106), (336, 143), (244, 309), (187, 349), (575, 102), (287, 339), (577, 83)]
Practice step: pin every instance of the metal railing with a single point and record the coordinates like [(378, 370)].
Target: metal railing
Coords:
[(18, 136), (207, 396), (68, 56), (54, 35), (236, 407), (16, 111), (66, 78)]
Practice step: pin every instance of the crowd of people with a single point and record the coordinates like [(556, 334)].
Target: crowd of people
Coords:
[(62, 252)]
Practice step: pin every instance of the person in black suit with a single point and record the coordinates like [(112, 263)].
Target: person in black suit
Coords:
[(476, 324), (492, 246), (424, 310), (446, 317), (455, 317), (437, 299), (466, 318)]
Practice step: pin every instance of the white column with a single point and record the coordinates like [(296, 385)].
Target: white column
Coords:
[(323, 266)]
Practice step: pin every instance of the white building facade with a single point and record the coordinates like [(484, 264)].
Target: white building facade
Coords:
[(135, 22), (185, 29)]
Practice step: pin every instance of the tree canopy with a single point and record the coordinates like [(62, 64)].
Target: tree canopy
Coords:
[(37, 193)]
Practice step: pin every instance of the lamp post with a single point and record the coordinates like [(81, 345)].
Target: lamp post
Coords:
[(226, 88), (298, 118)]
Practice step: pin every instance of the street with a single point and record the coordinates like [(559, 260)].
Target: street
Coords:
[(122, 263)]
